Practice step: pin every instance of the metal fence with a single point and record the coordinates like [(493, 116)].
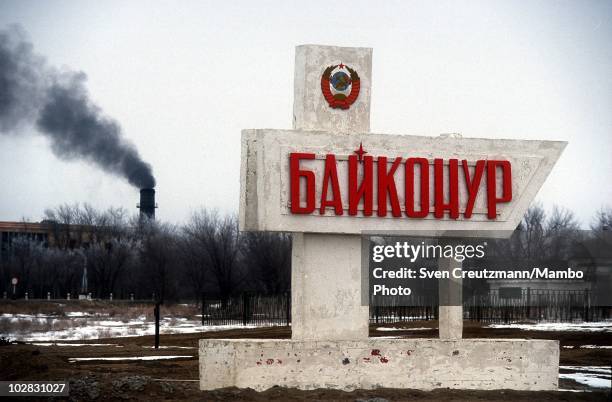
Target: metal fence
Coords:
[(388, 309), (531, 305), (247, 309), (535, 305)]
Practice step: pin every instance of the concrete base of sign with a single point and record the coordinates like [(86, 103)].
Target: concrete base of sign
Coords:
[(374, 363)]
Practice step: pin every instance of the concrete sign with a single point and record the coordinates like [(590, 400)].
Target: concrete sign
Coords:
[(313, 181), (327, 181)]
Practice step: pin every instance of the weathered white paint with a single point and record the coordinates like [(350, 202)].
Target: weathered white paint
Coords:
[(373, 363), (326, 288)]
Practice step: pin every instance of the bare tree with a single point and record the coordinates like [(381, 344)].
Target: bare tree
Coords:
[(532, 232), (63, 221), (23, 262), (268, 258), (541, 237), (106, 262), (602, 220), (65, 270), (158, 256), (216, 244), (195, 262), (562, 231)]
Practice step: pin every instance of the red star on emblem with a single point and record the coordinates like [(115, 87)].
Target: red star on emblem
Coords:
[(360, 152), (341, 65)]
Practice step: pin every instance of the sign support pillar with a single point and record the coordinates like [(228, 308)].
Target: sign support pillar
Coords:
[(326, 268), (450, 310)]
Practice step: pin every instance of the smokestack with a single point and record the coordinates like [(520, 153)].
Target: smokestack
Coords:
[(147, 203)]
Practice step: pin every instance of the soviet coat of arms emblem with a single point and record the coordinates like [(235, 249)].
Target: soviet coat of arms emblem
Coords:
[(340, 86)]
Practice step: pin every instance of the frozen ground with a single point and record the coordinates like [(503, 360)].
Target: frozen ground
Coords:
[(83, 326), (55, 330)]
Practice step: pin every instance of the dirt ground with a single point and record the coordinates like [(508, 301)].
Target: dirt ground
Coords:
[(178, 379)]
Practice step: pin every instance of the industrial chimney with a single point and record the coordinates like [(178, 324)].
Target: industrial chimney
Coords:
[(147, 203)]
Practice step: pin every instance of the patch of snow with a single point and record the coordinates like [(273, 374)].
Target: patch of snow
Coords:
[(588, 347), (592, 376), (170, 347), (77, 314), (74, 344), (601, 326), (112, 323), (84, 314), (591, 380), (84, 359), (385, 329), (27, 316), (589, 369), (397, 318), (113, 329)]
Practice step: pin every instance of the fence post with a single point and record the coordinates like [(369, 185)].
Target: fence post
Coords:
[(245, 307), (157, 314), (203, 303), (529, 303), (586, 305), (288, 312), (376, 312)]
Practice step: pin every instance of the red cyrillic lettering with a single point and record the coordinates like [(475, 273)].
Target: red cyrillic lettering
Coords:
[(364, 191), (492, 199), (386, 184), (472, 185), (424, 187), (295, 173), (331, 175), (453, 194)]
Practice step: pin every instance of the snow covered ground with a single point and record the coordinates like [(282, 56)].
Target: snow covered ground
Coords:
[(600, 326), (592, 376), (53, 330), (82, 326), (74, 344), (85, 359), (388, 329)]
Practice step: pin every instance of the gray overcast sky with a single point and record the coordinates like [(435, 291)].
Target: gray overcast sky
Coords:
[(183, 78)]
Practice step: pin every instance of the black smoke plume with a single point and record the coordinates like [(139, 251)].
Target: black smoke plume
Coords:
[(59, 106)]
